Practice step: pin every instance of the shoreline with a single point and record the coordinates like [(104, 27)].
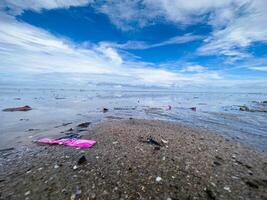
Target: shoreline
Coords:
[(189, 164)]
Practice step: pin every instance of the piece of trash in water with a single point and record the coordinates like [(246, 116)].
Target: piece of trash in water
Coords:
[(243, 108), (169, 107), (194, 109), (64, 124), (73, 142), (105, 110), (17, 99), (8, 149), (82, 160), (23, 108), (84, 125)]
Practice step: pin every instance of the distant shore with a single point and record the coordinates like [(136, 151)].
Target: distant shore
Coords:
[(136, 159)]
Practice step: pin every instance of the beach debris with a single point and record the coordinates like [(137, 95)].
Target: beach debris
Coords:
[(105, 110), (149, 140), (84, 125), (70, 135), (17, 98), (23, 108), (158, 179), (60, 98), (24, 119), (75, 167), (243, 108), (64, 124), (33, 129), (169, 107), (82, 160), (7, 149), (73, 142), (125, 108), (56, 166), (194, 109)]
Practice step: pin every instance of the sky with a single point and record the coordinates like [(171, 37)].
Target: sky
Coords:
[(177, 44)]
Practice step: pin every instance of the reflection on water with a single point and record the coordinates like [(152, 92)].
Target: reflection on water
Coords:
[(214, 111)]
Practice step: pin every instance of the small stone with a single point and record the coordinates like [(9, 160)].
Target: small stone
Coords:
[(82, 160), (169, 198), (158, 179), (164, 158), (115, 142), (27, 193), (56, 166), (227, 188), (75, 167), (72, 197), (78, 190)]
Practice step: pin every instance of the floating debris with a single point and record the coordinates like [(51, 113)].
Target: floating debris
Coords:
[(84, 125), (23, 108)]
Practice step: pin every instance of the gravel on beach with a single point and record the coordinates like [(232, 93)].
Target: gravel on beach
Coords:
[(136, 159)]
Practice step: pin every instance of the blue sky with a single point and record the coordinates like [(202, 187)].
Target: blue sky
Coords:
[(180, 44)]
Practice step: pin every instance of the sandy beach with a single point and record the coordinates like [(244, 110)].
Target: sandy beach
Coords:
[(124, 164)]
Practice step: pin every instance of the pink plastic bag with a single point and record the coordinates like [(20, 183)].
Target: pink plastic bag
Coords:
[(69, 142)]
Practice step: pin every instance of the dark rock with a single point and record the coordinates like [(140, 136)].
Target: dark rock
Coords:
[(105, 110), (252, 184), (82, 160), (157, 148), (23, 108), (8, 149), (84, 125), (216, 163), (243, 108), (210, 194)]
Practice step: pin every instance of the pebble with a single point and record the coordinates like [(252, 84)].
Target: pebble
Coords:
[(158, 179), (56, 166), (227, 188), (75, 167), (169, 198), (72, 197), (27, 193)]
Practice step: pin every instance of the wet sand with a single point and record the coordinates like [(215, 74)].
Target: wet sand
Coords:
[(188, 164)]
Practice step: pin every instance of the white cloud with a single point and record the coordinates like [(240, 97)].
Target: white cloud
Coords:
[(194, 68), (261, 68), (144, 45), (17, 6), (25, 49), (236, 23)]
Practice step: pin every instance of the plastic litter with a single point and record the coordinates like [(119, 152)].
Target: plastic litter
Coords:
[(69, 142), (84, 125), (169, 107), (23, 108), (194, 109)]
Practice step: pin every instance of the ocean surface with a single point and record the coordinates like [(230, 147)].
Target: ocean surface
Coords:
[(219, 112)]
